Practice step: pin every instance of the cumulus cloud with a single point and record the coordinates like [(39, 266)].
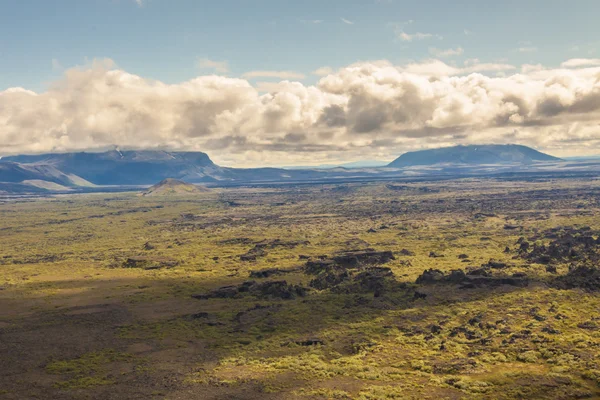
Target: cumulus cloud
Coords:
[(365, 110), (581, 62), (274, 74), (221, 67)]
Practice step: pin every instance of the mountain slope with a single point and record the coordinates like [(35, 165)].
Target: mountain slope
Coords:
[(11, 172), (174, 187), (474, 155), (128, 167)]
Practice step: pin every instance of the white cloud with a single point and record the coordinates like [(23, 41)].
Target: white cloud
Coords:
[(312, 21), (527, 68), (346, 21), (409, 37), (221, 67), (140, 3), (323, 71), (467, 32), (274, 74), (446, 52), (365, 110), (581, 62), (527, 49)]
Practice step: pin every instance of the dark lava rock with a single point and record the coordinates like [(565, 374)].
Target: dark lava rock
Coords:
[(373, 280), (550, 330), (259, 249), (406, 252), (587, 278), (567, 244), (149, 263), (419, 295), (463, 256), (329, 279), (266, 273), (364, 257), (479, 272), (310, 342), (318, 266), (224, 292), (433, 254), (202, 315), (496, 264), (430, 276), (349, 260), (469, 280), (253, 254), (589, 325), (272, 289), (280, 289)]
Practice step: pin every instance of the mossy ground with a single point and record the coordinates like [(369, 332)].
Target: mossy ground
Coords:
[(75, 324)]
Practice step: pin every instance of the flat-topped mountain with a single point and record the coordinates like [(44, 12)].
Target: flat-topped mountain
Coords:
[(127, 167), (474, 155), (174, 187)]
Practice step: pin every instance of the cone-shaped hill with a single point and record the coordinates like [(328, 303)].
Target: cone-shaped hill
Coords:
[(174, 187)]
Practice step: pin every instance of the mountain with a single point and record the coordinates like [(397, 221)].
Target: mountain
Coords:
[(128, 167), (473, 155), (349, 165), (147, 167), (174, 187), (11, 172)]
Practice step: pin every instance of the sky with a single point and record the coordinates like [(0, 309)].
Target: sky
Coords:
[(270, 83)]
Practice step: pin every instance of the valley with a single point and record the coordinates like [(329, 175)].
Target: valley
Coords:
[(472, 288)]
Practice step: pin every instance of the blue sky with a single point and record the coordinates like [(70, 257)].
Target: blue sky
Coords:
[(164, 39), (273, 82)]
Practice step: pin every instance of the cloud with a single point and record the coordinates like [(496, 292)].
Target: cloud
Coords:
[(527, 49), (274, 74), (365, 110), (140, 3), (221, 67), (312, 21), (446, 53), (467, 32), (409, 37), (581, 62), (346, 21), (323, 71)]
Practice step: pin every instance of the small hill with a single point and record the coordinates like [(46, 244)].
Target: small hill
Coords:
[(174, 187), (473, 155)]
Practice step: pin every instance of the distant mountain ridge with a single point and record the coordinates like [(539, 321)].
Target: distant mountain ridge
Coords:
[(128, 167), (76, 171), (473, 155)]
